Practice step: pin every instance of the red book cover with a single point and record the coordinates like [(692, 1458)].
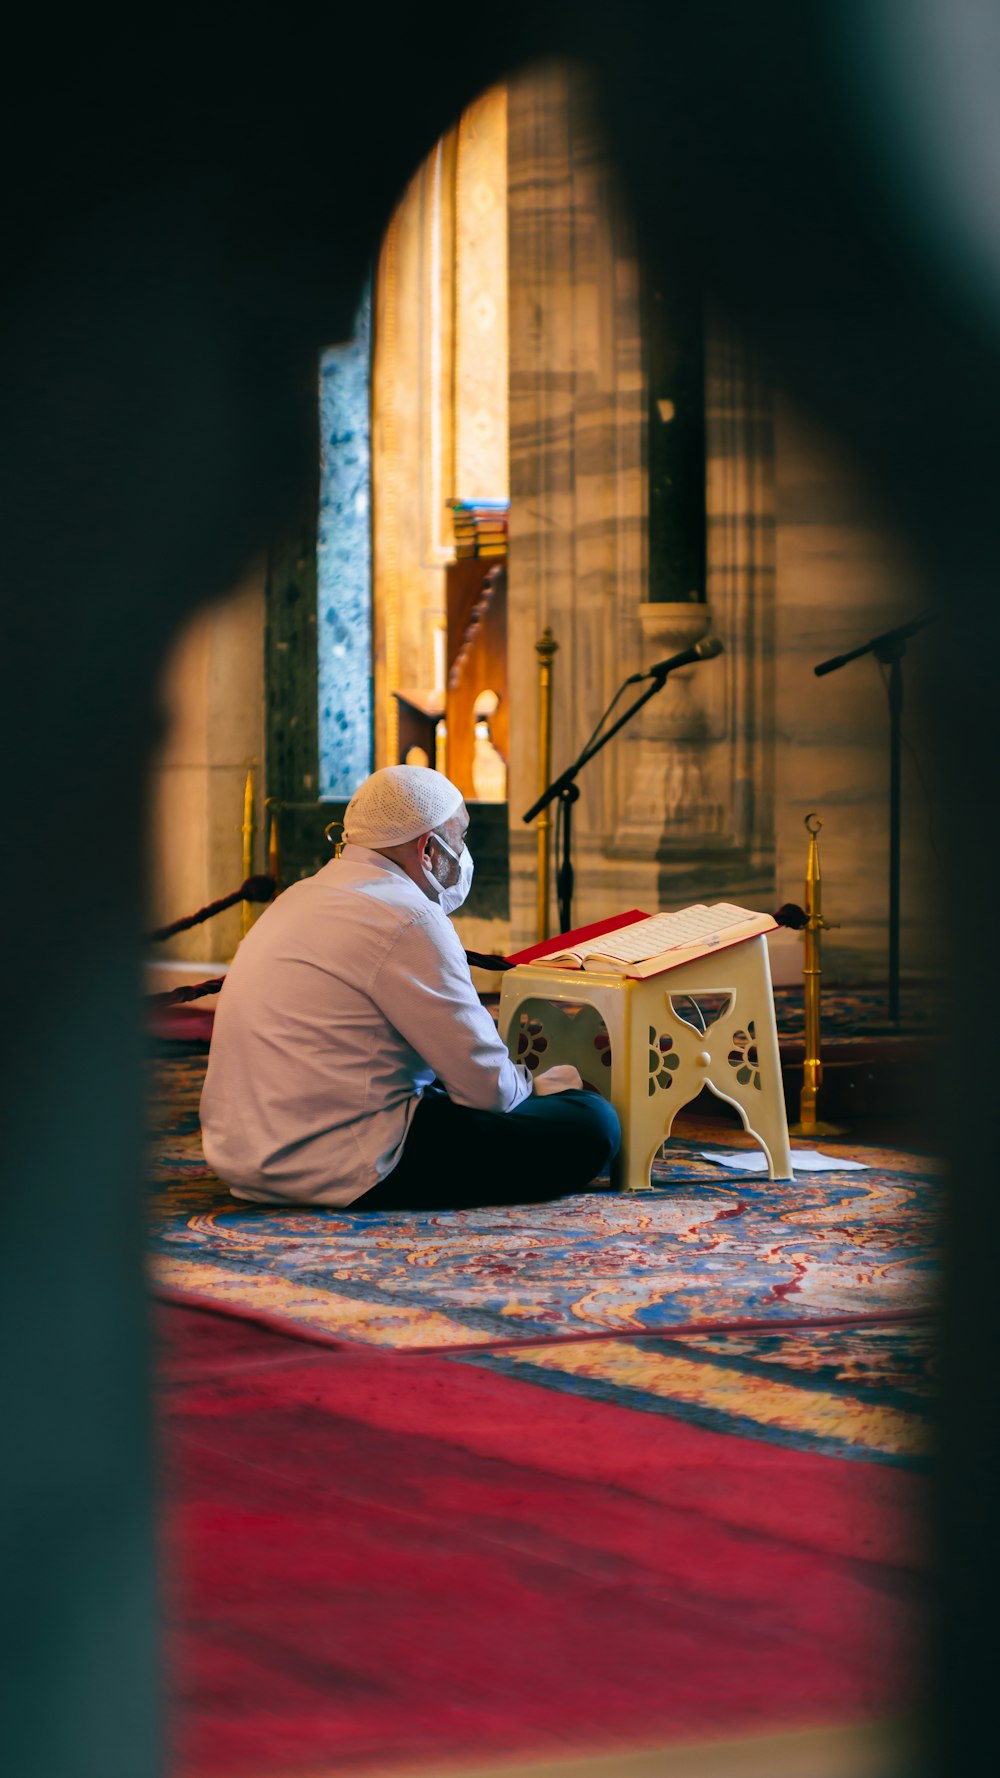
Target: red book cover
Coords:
[(570, 941)]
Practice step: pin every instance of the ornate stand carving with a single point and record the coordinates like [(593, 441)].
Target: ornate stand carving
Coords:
[(637, 1044)]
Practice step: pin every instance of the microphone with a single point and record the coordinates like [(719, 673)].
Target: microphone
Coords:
[(705, 650)]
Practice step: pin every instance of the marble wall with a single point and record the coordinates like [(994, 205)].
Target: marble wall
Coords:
[(343, 562), (439, 393)]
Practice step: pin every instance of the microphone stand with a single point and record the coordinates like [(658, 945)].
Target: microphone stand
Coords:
[(889, 648), (567, 790)]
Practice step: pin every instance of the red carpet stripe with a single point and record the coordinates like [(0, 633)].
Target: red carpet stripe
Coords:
[(371, 1562)]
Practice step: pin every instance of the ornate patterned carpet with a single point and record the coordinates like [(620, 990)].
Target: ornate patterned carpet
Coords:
[(524, 1291), (855, 1015)]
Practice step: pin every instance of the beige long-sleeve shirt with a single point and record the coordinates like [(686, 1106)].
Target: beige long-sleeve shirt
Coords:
[(344, 1000)]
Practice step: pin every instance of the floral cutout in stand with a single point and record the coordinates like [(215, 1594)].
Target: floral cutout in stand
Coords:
[(531, 1043), (743, 1057), (662, 1060)]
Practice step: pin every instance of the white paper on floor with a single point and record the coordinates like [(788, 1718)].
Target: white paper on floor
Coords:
[(804, 1160)]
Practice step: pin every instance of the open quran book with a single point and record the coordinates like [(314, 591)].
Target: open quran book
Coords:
[(643, 946)]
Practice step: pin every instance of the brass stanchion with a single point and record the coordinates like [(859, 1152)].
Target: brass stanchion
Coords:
[(273, 849), (812, 1066), (545, 648), (247, 831)]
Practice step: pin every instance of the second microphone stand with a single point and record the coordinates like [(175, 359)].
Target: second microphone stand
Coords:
[(889, 648), (567, 790)]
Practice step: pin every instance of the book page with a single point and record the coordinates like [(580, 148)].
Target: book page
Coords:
[(804, 1160), (568, 959), (649, 938)]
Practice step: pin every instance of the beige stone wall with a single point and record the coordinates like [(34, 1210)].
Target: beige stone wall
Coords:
[(679, 806), (703, 797), (843, 576), (213, 702), (577, 550)]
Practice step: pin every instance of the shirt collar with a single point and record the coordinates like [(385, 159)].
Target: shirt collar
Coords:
[(376, 860)]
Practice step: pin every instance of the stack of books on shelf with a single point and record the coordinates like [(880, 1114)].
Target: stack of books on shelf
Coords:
[(480, 527)]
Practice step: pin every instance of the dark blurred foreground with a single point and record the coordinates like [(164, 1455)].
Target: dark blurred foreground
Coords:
[(191, 212)]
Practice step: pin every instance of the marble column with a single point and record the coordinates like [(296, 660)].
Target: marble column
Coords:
[(576, 460), (679, 806), (696, 769)]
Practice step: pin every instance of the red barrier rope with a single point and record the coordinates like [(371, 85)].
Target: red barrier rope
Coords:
[(254, 889), (788, 915), (487, 960), (177, 996), (199, 990)]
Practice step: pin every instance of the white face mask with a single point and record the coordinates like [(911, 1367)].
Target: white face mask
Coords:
[(450, 900)]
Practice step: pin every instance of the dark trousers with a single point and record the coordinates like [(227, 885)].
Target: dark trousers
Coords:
[(456, 1159)]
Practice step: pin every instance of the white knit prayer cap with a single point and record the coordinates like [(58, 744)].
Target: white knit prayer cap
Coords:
[(398, 803)]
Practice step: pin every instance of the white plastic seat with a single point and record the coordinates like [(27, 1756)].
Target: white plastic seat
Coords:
[(648, 1059)]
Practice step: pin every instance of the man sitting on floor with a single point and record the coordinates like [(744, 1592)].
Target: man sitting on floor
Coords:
[(352, 1061)]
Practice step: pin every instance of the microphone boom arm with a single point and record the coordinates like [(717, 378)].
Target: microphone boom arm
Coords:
[(889, 648), (566, 778), (565, 786), (885, 646)]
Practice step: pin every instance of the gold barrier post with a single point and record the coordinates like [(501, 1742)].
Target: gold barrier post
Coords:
[(812, 1066), (545, 648), (247, 831), (273, 849)]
